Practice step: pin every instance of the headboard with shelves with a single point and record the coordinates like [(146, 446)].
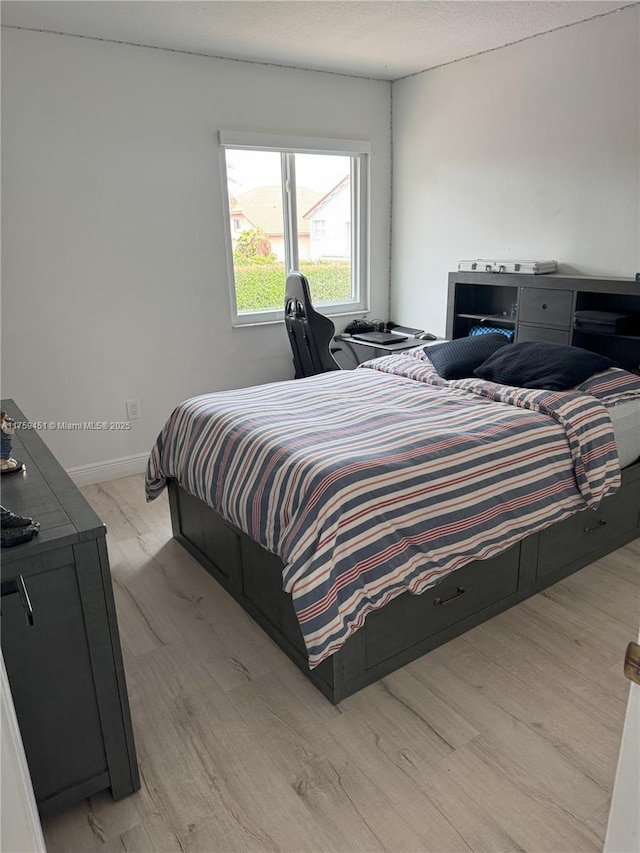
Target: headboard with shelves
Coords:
[(543, 308)]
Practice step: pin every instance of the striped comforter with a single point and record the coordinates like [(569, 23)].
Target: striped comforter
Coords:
[(372, 482)]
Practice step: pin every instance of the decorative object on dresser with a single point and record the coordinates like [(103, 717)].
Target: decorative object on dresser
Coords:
[(16, 529), (8, 465), (60, 638)]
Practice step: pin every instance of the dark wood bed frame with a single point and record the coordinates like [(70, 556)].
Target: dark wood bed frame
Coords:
[(548, 308), (410, 625)]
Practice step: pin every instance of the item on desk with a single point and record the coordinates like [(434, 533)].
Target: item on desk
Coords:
[(523, 267), (379, 338), (426, 336), (404, 330), (359, 326)]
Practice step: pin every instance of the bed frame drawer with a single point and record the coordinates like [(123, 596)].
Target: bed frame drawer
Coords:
[(591, 532), (210, 534), (266, 593), (411, 625), (461, 594)]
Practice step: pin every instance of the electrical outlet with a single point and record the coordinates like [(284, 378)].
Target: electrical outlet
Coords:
[(133, 409)]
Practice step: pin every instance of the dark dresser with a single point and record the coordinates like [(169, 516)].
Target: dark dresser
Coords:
[(65, 670)]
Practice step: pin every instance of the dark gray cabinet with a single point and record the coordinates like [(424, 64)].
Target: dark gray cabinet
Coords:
[(65, 670), (544, 308)]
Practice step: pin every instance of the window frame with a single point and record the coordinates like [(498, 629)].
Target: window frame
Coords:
[(360, 152)]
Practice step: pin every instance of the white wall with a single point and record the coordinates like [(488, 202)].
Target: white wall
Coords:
[(114, 277), (20, 829), (531, 151)]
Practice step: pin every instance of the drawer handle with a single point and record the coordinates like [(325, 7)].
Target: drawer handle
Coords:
[(544, 306), (600, 524), (456, 595), (14, 585)]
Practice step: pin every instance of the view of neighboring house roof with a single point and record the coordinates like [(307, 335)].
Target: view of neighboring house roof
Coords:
[(325, 198), (262, 207)]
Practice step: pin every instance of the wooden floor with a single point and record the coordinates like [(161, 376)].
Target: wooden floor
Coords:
[(506, 739)]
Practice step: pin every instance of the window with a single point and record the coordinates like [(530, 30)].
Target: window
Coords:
[(294, 196), (318, 229)]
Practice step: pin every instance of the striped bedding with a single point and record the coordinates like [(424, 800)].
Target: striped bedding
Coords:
[(372, 482)]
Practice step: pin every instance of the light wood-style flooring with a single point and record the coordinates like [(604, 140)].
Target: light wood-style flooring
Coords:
[(505, 739)]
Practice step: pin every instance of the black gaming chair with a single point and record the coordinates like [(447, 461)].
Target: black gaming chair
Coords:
[(310, 333)]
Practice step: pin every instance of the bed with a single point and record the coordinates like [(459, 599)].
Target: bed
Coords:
[(365, 517)]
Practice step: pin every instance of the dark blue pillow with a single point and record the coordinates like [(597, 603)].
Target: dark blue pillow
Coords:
[(458, 359), (534, 364)]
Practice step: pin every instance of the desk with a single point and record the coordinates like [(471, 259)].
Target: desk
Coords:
[(356, 351)]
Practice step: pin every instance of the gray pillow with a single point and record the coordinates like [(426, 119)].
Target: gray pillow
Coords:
[(458, 359)]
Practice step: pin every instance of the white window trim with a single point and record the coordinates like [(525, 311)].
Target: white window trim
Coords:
[(360, 213)]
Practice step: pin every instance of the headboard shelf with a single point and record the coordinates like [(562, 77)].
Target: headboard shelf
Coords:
[(543, 308)]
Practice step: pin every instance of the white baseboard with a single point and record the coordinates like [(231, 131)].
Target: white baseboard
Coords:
[(98, 472)]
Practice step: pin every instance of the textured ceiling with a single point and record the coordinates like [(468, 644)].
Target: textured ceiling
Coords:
[(384, 39)]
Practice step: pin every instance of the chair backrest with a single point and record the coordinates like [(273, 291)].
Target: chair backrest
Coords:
[(310, 333)]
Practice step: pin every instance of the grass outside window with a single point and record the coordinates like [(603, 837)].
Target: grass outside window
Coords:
[(260, 287)]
